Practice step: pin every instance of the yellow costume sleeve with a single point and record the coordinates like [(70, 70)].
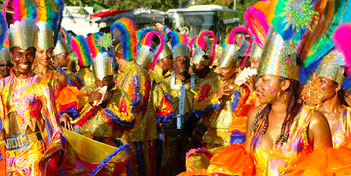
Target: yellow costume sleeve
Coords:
[(162, 105), (120, 111)]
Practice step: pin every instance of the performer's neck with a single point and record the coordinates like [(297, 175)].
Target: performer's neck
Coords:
[(331, 105), (183, 76)]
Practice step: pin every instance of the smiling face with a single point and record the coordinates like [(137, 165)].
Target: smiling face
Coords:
[(44, 56), (269, 86), (23, 59)]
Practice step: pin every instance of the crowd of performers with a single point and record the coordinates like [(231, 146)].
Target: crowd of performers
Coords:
[(272, 98)]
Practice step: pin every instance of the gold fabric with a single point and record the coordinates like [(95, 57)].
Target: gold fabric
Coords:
[(86, 76), (100, 126), (278, 160), (135, 81)]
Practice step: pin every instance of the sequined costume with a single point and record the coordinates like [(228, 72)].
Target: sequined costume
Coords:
[(222, 121), (27, 106), (166, 99), (157, 74), (86, 76), (108, 123), (135, 81), (278, 160), (72, 78)]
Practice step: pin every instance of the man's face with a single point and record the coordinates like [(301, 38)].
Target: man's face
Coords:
[(44, 56), (5, 67), (166, 63), (23, 59), (181, 64), (61, 60), (197, 68), (106, 81), (227, 73)]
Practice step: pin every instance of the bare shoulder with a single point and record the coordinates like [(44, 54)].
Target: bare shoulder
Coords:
[(318, 119), (62, 78)]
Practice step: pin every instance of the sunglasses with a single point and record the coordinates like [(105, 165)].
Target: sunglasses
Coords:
[(8, 65)]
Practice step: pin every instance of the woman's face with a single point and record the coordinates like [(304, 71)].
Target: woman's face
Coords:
[(268, 88), (318, 89), (347, 97), (44, 56), (254, 62)]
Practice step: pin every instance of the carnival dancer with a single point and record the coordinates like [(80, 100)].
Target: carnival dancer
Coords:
[(325, 89), (148, 58), (84, 73), (204, 54), (163, 65), (281, 128), (135, 81), (178, 91), (109, 112), (61, 59), (5, 62), (28, 112)]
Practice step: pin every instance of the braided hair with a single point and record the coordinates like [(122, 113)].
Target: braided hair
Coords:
[(291, 112)]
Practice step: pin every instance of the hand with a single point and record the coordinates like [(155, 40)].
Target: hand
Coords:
[(94, 96), (66, 122), (250, 83), (224, 90)]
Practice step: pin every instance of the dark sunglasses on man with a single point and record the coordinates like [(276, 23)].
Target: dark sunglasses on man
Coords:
[(7, 64)]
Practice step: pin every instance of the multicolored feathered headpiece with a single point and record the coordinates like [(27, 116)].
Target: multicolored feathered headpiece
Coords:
[(292, 18), (3, 32), (236, 47), (141, 34), (176, 38), (49, 16), (123, 31), (278, 57), (318, 42), (64, 34), (342, 39), (22, 31), (146, 57), (102, 63), (201, 44), (80, 48), (257, 23)]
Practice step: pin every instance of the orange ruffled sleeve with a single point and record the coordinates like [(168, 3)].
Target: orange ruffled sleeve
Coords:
[(325, 161), (232, 160)]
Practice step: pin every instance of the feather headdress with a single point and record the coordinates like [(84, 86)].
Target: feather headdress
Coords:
[(102, 63), (202, 43), (81, 49), (144, 58), (342, 39), (127, 37), (318, 42)]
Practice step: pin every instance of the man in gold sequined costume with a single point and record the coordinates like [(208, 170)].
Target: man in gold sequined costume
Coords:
[(135, 81), (176, 91)]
